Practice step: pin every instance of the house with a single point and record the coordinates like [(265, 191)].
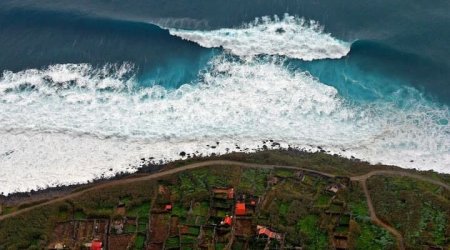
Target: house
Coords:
[(273, 180), (334, 187), (228, 220), (240, 209), (340, 242), (168, 207), (120, 208), (224, 193), (299, 175), (58, 246), (264, 231), (96, 245), (230, 193), (118, 226)]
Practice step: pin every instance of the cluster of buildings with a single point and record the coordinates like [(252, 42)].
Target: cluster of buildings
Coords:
[(227, 218)]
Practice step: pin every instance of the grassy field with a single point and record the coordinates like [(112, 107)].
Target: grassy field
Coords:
[(297, 207), (420, 210)]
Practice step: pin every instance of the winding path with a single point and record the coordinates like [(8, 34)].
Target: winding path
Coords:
[(364, 177), (373, 216), (361, 178), (152, 177)]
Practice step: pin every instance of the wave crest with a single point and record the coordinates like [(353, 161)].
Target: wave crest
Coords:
[(289, 36), (104, 118)]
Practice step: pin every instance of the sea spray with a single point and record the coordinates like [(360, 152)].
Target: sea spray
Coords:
[(72, 123), (289, 36)]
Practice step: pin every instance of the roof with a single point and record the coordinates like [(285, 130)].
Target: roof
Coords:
[(265, 231), (230, 193), (96, 245), (59, 246), (240, 208), (168, 207), (228, 220)]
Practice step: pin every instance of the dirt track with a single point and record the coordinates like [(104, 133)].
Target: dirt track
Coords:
[(373, 215), (399, 173), (151, 177), (361, 178)]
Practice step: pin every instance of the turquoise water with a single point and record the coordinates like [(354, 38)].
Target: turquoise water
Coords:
[(101, 84)]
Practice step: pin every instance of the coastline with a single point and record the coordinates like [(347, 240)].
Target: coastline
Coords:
[(320, 160)]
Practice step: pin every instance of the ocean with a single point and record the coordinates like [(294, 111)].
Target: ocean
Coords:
[(89, 89)]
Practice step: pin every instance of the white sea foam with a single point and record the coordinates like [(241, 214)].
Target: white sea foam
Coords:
[(71, 123), (289, 36)]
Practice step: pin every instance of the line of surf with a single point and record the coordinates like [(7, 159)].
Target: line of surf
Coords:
[(72, 123), (289, 36)]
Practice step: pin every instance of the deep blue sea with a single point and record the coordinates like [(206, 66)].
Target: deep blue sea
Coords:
[(89, 88)]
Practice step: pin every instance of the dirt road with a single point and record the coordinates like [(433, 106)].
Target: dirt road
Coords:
[(157, 176), (399, 173), (361, 178), (373, 215)]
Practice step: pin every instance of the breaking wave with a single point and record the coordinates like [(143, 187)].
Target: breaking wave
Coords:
[(74, 122), (287, 36), (71, 123)]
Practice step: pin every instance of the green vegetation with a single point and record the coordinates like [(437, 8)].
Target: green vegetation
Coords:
[(420, 210), (323, 200), (201, 208), (188, 239), (372, 237), (194, 230), (314, 237), (172, 242), (29, 231), (283, 209), (179, 211), (79, 215), (139, 242), (253, 180), (140, 211), (298, 208), (142, 227), (130, 228), (283, 173)]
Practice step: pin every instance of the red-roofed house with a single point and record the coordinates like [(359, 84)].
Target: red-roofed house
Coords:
[(240, 208), (168, 207), (96, 245), (228, 220), (265, 231)]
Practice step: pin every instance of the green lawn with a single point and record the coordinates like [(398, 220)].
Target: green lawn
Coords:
[(179, 211), (283, 209), (139, 242), (141, 210), (372, 237), (201, 208), (79, 215), (172, 242), (323, 200), (314, 237)]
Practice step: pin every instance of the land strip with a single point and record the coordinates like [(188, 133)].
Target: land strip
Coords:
[(362, 179)]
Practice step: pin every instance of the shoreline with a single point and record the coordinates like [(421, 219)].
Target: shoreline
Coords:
[(81, 159), (33, 197)]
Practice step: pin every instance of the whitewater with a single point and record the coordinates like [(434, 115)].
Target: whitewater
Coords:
[(72, 123)]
